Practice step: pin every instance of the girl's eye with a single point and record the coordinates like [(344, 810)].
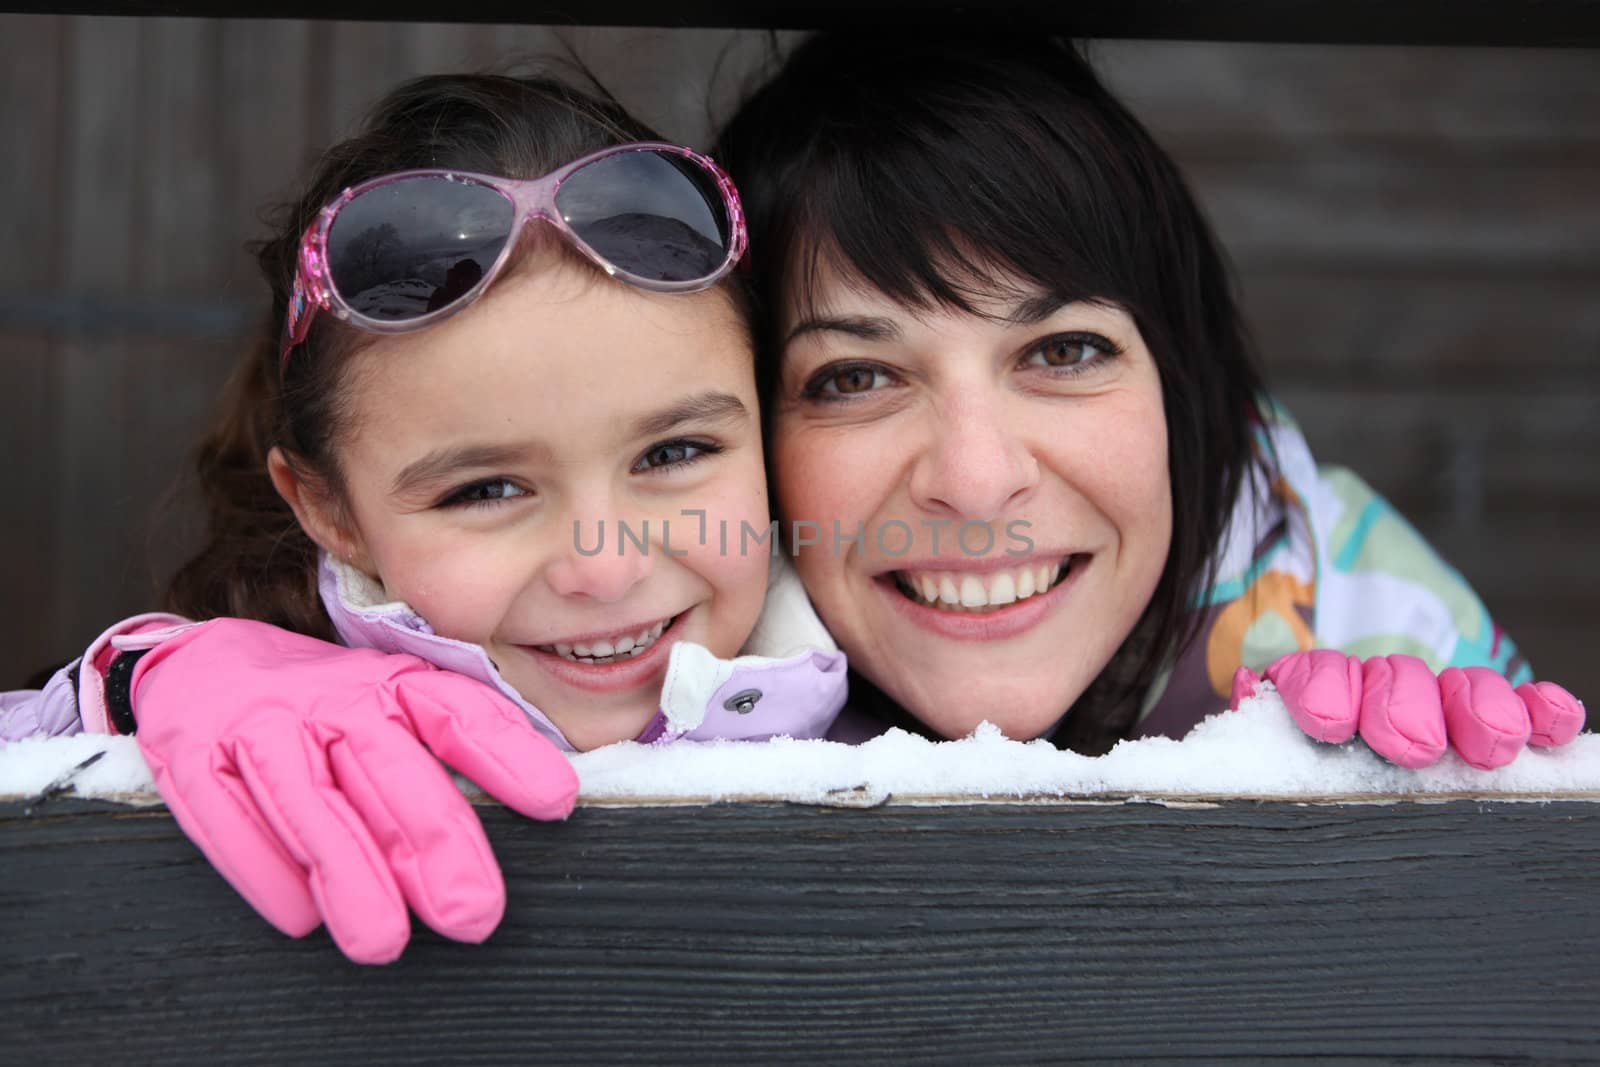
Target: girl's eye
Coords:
[(851, 379), (1070, 352), (485, 493), (672, 454)]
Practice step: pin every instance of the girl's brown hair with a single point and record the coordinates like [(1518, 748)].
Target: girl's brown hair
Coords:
[(256, 561)]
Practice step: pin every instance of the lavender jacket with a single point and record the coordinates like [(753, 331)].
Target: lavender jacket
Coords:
[(788, 681)]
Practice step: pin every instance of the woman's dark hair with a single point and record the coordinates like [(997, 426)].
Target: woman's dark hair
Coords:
[(257, 562), (938, 168)]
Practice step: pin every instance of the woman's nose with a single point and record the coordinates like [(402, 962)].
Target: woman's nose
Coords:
[(975, 465), (605, 560)]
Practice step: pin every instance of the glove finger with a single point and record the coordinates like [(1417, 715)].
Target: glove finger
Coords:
[(1402, 715), (1487, 721), (1555, 714), (215, 809), (491, 741), (432, 840), (1245, 681), (1322, 690), (287, 773)]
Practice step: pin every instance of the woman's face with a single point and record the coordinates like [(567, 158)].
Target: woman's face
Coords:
[(1008, 476), (487, 451)]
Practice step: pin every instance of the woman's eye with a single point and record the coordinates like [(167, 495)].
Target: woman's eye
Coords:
[(674, 454), (488, 491), (849, 380), (1074, 351)]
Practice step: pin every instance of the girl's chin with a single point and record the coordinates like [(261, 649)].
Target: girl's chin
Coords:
[(588, 728)]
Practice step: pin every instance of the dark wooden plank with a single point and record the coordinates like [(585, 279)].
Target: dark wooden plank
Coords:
[(765, 933), (31, 185), (29, 530), (180, 179), (102, 96), (1466, 22), (1346, 208), (1421, 331), (31, 139), (1209, 99), (371, 59), (264, 139), (1474, 450), (92, 450)]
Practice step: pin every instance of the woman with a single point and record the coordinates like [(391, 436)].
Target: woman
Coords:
[(991, 303)]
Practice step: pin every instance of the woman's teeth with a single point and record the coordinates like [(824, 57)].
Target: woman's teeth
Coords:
[(609, 649), (955, 591)]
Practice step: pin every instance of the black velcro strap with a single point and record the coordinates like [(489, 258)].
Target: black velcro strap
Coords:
[(119, 690)]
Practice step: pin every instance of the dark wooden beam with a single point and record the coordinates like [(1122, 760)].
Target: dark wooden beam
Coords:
[(1443, 22), (1465, 931)]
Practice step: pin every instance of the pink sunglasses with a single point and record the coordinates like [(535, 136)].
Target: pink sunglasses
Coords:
[(405, 250)]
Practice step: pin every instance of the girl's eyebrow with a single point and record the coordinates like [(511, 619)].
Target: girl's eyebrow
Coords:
[(442, 463), (710, 406), (863, 327)]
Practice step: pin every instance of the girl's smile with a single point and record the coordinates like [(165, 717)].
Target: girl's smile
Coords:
[(634, 658)]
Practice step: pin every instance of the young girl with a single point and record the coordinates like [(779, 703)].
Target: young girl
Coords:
[(504, 418), (979, 269)]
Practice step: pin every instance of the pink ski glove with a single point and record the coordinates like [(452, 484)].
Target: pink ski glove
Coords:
[(1410, 716), (298, 768)]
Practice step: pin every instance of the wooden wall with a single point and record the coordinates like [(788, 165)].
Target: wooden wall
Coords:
[(1417, 231)]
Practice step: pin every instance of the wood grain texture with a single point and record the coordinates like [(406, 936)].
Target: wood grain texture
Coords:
[(766, 933), (1416, 231)]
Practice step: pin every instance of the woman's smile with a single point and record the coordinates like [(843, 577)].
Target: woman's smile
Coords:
[(994, 607)]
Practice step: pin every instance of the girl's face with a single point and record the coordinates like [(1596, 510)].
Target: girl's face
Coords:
[(1010, 477), (492, 453)]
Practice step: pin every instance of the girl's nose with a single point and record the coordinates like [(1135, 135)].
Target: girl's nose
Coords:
[(604, 562), (974, 465)]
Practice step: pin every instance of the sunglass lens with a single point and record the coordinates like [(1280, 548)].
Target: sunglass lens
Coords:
[(413, 246), (653, 214)]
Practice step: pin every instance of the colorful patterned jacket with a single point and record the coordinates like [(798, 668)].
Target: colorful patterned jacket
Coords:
[(1313, 557)]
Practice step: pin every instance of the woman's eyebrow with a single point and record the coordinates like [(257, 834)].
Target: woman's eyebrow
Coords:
[(1034, 310), (864, 327), (441, 463), (710, 406)]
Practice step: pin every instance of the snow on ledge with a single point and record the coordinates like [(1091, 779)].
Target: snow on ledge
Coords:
[(1255, 752)]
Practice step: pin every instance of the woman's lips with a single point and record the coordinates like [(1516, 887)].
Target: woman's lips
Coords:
[(628, 671), (973, 616)]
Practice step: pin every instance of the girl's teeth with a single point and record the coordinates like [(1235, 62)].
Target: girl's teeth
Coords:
[(608, 651)]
